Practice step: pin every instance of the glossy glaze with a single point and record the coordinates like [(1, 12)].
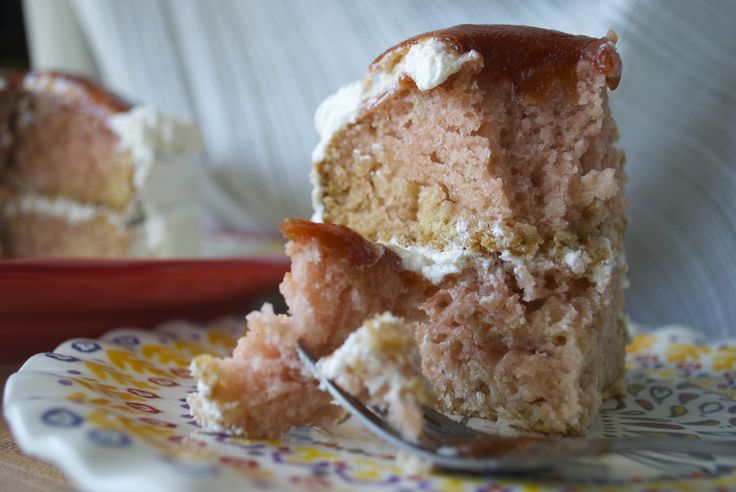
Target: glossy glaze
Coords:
[(343, 241), (94, 97), (534, 60)]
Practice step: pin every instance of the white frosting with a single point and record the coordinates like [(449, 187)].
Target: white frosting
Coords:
[(150, 135), (577, 260), (317, 195), (164, 150), (339, 110), (524, 277), (603, 271), (69, 210), (174, 233), (357, 347), (45, 82), (159, 235), (434, 264), (429, 63)]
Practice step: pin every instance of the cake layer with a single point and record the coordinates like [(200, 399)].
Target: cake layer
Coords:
[(43, 228), (486, 352), (542, 364), (511, 149), (34, 225)]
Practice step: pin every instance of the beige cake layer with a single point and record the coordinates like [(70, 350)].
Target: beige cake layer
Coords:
[(34, 234)]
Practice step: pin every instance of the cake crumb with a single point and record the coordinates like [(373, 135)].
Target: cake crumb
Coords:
[(379, 364)]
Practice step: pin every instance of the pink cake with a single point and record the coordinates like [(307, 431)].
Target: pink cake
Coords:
[(337, 280), (482, 161)]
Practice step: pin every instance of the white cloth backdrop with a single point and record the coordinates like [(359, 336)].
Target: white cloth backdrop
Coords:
[(252, 72)]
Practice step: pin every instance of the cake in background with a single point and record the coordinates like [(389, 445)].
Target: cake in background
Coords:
[(85, 174)]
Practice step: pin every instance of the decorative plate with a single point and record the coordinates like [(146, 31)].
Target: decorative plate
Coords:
[(111, 413)]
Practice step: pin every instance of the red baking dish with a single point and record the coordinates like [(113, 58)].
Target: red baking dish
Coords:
[(46, 301)]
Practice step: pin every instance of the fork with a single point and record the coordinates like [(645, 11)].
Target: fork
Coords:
[(448, 444)]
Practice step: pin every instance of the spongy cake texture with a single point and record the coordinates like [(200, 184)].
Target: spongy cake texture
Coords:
[(379, 364), (472, 186), (337, 280), (522, 180)]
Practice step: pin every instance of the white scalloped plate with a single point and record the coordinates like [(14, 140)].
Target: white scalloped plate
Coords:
[(111, 413)]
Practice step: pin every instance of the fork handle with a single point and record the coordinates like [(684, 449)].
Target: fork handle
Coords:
[(674, 444)]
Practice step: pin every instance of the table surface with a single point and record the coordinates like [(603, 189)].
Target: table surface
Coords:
[(19, 472)]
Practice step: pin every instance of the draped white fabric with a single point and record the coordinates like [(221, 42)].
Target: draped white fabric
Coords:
[(252, 72)]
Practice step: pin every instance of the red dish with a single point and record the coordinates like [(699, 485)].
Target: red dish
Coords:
[(46, 301)]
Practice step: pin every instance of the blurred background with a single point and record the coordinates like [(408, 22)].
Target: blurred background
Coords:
[(252, 72)]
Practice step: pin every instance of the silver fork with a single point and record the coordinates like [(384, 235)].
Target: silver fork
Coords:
[(452, 445)]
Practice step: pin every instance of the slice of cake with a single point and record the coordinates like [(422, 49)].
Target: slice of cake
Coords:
[(337, 280), (379, 364), (84, 173), (485, 157), (479, 163)]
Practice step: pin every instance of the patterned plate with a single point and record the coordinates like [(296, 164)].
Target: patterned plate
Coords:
[(111, 412)]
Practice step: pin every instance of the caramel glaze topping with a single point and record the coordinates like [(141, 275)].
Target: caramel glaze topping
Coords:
[(533, 59), (342, 241), (94, 98)]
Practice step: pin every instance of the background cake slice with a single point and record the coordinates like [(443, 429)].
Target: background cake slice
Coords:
[(84, 173), (485, 157)]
